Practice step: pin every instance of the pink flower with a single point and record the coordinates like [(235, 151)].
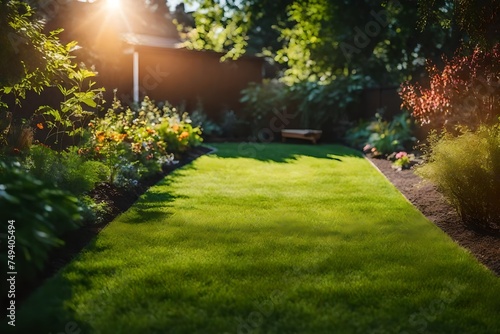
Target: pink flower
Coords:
[(367, 148), (401, 155)]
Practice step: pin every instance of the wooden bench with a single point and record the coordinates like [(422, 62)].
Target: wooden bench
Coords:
[(307, 134)]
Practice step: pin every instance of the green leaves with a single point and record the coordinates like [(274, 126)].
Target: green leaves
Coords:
[(41, 215)]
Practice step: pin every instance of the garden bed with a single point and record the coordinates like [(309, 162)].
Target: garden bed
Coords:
[(425, 196)]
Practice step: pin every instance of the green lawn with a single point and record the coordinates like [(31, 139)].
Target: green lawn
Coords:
[(299, 239)]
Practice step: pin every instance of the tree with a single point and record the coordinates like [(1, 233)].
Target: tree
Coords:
[(323, 39), (479, 20), (29, 59), (464, 93), (34, 61)]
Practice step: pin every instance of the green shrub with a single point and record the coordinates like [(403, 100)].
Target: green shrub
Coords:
[(93, 212), (467, 170), (384, 136), (67, 170), (201, 120), (321, 103), (41, 215), (261, 101)]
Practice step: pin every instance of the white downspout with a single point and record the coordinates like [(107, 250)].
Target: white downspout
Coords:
[(136, 76)]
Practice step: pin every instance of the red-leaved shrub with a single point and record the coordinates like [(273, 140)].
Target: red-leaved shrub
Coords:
[(465, 92)]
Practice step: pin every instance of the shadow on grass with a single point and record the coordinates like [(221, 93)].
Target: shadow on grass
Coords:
[(54, 308), (152, 204), (284, 153)]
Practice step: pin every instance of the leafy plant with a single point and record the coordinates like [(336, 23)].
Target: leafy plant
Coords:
[(326, 102), (464, 93), (201, 120), (466, 169), (67, 170), (137, 143), (178, 133), (381, 136), (41, 214), (70, 118), (262, 100), (92, 211), (31, 60), (231, 125), (402, 160)]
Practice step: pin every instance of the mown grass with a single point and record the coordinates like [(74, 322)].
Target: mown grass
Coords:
[(298, 239)]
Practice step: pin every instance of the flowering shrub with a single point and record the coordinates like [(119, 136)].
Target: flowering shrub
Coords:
[(124, 138), (403, 160), (465, 92), (138, 143), (176, 130)]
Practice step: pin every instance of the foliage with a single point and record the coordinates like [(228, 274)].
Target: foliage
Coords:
[(231, 124), (71, 116), (137, 143), (261, 101), (328, 51), (41, 213), (200, 119), (176, 130), (402, 160), (126, 142), (219, 27), (32, 61), (326, 103), (29, 59), (93, 212), (465, 92), (466, 169), (381, 136), (322, 40), (479, 19), (67, 170), (16, 139)]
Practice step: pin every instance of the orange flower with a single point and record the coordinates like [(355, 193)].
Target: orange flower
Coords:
[(40, 126), (175, 127), (100, 136), (183, 135)]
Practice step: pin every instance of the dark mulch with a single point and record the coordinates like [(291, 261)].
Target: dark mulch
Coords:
[(118, 201), (425, 196)]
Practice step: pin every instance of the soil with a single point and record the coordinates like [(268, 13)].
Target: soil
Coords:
[(118, 201), (425, 197)]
